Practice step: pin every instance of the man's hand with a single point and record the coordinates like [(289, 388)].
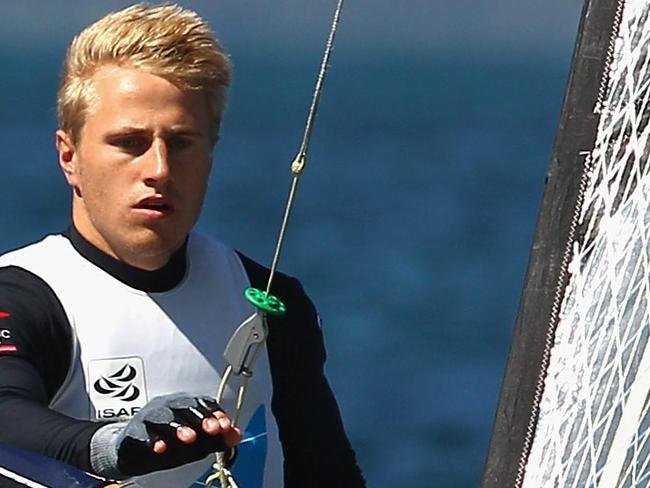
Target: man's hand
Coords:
[(216, 424), (169, 431)]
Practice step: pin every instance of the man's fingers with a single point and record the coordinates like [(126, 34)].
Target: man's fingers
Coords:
[(216, 424), (232, 437), (219, 423), (211, 426), (223, 419), (186, 434), (159, 447)]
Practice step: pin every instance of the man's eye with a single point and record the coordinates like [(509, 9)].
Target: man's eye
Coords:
[(129, 142), (178, 143)]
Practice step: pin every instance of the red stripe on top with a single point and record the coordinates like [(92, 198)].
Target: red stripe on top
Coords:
[(4, 315), (8, 348)]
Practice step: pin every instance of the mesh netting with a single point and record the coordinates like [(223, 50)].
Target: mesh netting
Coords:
[(594, 417)]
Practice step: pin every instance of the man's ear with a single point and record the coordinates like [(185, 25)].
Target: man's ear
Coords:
[(67, 157)]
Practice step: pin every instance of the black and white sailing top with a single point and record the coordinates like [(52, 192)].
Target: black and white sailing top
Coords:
[(86, 339)]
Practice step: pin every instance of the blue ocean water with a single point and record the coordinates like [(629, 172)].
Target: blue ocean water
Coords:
[(412, 229)]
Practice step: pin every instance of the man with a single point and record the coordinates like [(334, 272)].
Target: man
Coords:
[(111, 333)]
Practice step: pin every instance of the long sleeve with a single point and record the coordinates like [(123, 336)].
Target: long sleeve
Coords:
[(35, 353)]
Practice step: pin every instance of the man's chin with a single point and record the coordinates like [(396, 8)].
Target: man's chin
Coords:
[(151, 250)]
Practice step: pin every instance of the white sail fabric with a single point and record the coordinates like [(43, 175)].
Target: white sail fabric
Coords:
[(593, 427)]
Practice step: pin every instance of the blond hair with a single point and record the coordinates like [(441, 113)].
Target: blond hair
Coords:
[(164, 40)]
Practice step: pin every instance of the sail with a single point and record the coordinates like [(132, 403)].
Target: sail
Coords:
[(575, 403)]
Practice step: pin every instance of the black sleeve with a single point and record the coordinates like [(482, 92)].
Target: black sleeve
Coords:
[(35, 354), (317, 452)]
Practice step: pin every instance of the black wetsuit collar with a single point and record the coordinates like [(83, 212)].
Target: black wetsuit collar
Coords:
[(160, 280)]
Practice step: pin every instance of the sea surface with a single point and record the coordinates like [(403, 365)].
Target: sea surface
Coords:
[(412, 226)]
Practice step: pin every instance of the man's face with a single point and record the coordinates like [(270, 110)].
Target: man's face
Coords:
[(140, 167)]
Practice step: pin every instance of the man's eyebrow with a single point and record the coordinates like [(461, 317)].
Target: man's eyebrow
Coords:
[(183, 131), (125, 130), (176, 131)]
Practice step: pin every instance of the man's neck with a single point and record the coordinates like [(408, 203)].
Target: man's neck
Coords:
[(159, 280)]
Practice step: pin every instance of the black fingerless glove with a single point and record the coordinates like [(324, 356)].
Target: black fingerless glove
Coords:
[(125, 449)]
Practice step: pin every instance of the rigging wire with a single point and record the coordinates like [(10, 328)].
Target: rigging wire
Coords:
[(298, 164)]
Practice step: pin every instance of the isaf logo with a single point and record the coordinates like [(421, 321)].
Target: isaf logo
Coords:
[(116, 387), (119, 384)]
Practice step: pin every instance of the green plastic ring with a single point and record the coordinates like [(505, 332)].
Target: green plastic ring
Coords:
[(265, 302)]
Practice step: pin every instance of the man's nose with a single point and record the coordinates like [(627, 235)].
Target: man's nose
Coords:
[(157, 168)]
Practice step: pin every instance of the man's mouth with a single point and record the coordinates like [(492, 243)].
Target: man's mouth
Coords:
[(157, 205)]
